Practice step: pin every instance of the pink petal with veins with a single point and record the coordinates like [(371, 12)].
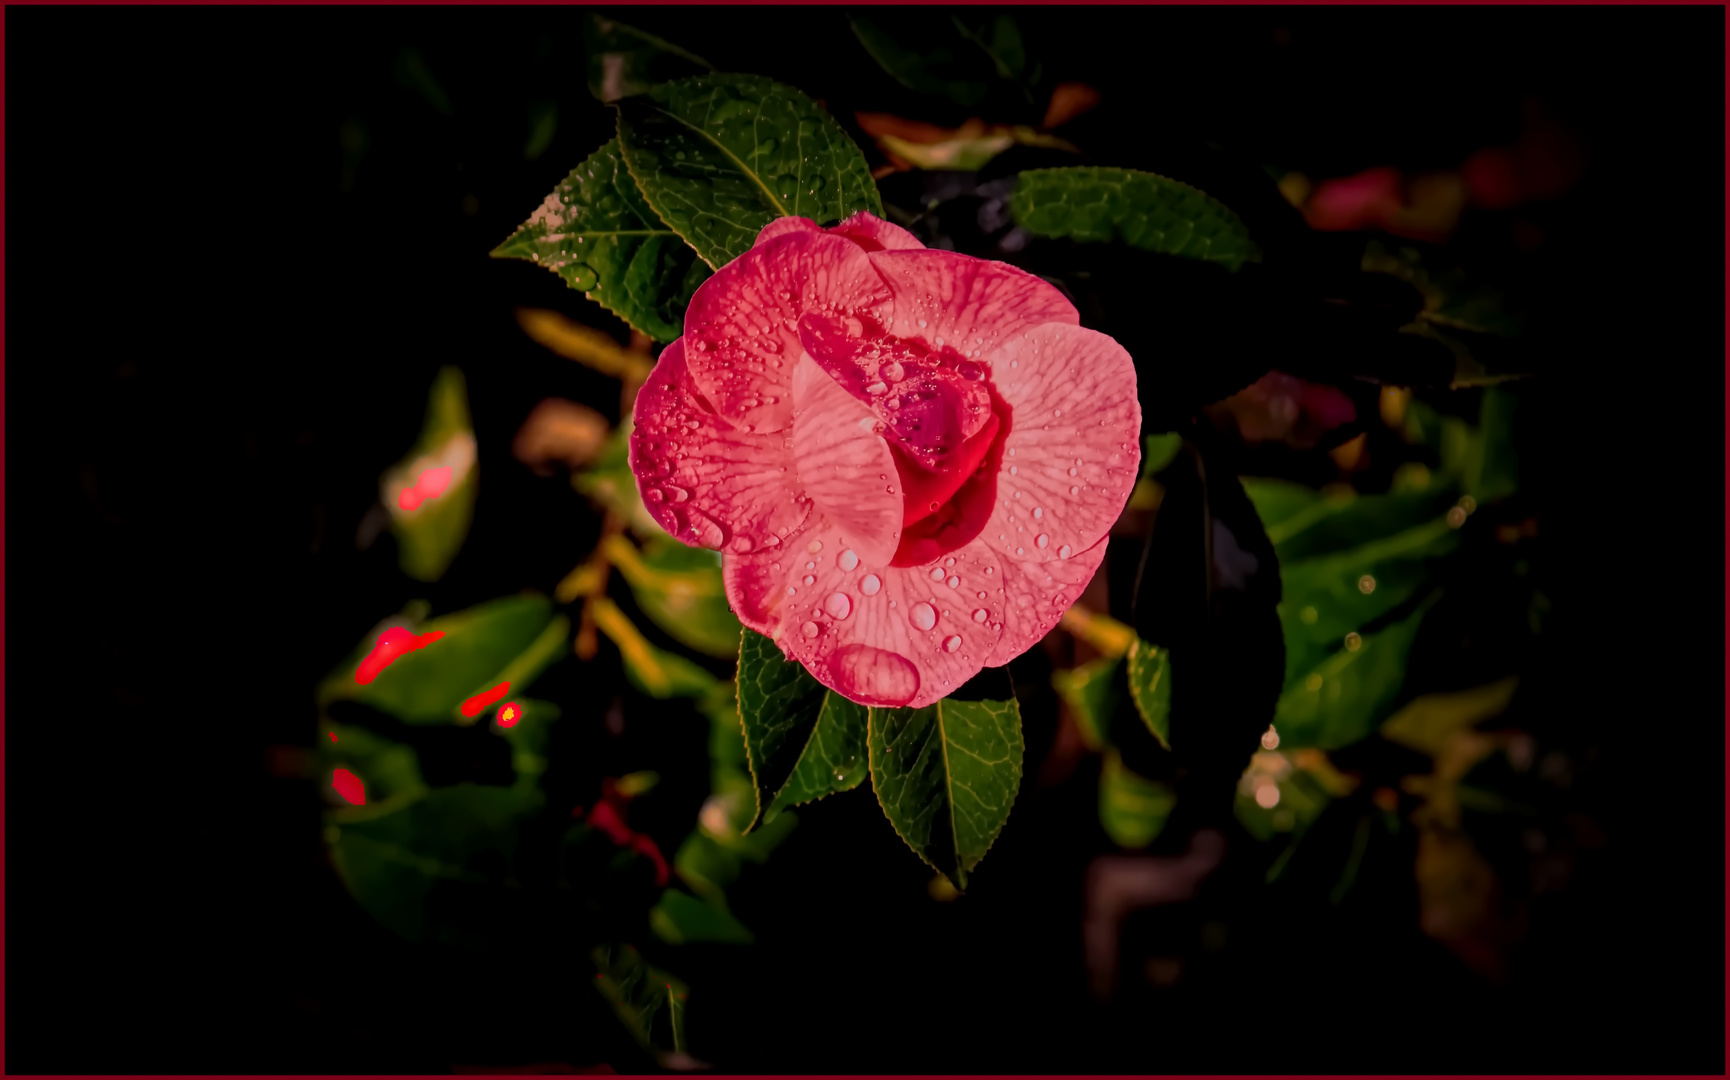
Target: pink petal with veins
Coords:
[(1035, 596), (1073, 451), (969, 304), (844, 465), (702, 480), (741, 330), (877, 634)]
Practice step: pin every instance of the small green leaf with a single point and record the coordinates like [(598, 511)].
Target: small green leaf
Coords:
[(946, 775), (389, 769), (720, 156), (1343, 698), (623, 60), (1141, 209), (1328, 597), (648, 1001), (1092, 691), (512, 638), (1132, 808), (430, 528), (1161, 451), (679, 588), (597, 233), (1150, 686), (804, 741), (680, 918), (394, 855), (1426, 723), (610, 483)]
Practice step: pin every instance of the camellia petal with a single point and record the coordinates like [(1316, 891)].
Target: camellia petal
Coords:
[(969, 304), (845, 467), (1072, 454), (1036, 594), (704, 481), (878, 634), (875, 234), (741, 330)]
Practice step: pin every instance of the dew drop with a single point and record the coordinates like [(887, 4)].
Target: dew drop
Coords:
[(583, 277), (870, 585), (952, 642), (936, 573), (809, 580), (980, 614), (847, 560), (814, 546), (953, 581), (1020, 551), (654, 495), (989, 570), (892, 371), (1042, 540), (1039, 513), (839, 605), (809, 629), (1063, 552), (922, 615)]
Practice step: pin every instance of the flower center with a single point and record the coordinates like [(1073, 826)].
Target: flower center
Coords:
[(942, 421)]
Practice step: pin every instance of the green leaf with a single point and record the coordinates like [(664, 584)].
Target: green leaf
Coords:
[(1304, 524), (513, 638), (1161, 451), (720, 156), (389, 769), (680, 918), (679, 588), (1092, 691), (597, 233), (1302, 796), (946, 775), (1150, 687), (804, 741), (623, 60), (648, 1001), (1132, 808), (430, 530), (1426, 723), (1141, 209), (1494, 472), (1451, 299), (1344, 697), (942, 69), (1325, 598), (394, 855)]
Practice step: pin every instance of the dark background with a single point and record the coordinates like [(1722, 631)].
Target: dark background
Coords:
[(240, 242)]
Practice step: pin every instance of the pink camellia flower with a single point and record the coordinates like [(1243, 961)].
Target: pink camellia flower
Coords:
[(908, 458)]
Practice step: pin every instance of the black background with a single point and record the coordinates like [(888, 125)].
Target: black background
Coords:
[(213, 348)]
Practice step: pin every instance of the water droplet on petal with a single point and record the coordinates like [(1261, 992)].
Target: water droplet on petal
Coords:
[(953, 581), (936, 573), (814, 546), (892, 371), (952, 642), (922, 615), (809, 580), (809, 629), (654, 495), (981, 614), (742, 544), (847, 559), (1063, 552), (1038, 513), (1042, 540), (870, 584), (839, 605)]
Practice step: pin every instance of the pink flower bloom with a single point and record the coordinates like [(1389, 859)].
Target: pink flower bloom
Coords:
[(908, 458)]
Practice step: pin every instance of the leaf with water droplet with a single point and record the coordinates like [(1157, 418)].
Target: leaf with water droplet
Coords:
[(946, 775), (731, 182), (1144, 210), (596, 231), (802, 740)]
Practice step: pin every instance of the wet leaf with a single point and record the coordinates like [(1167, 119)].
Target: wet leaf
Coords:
[(1140, 209), (718, 157), (1341, 699), (1150, 687), (596, 231), (946, 775), (804, 741)]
